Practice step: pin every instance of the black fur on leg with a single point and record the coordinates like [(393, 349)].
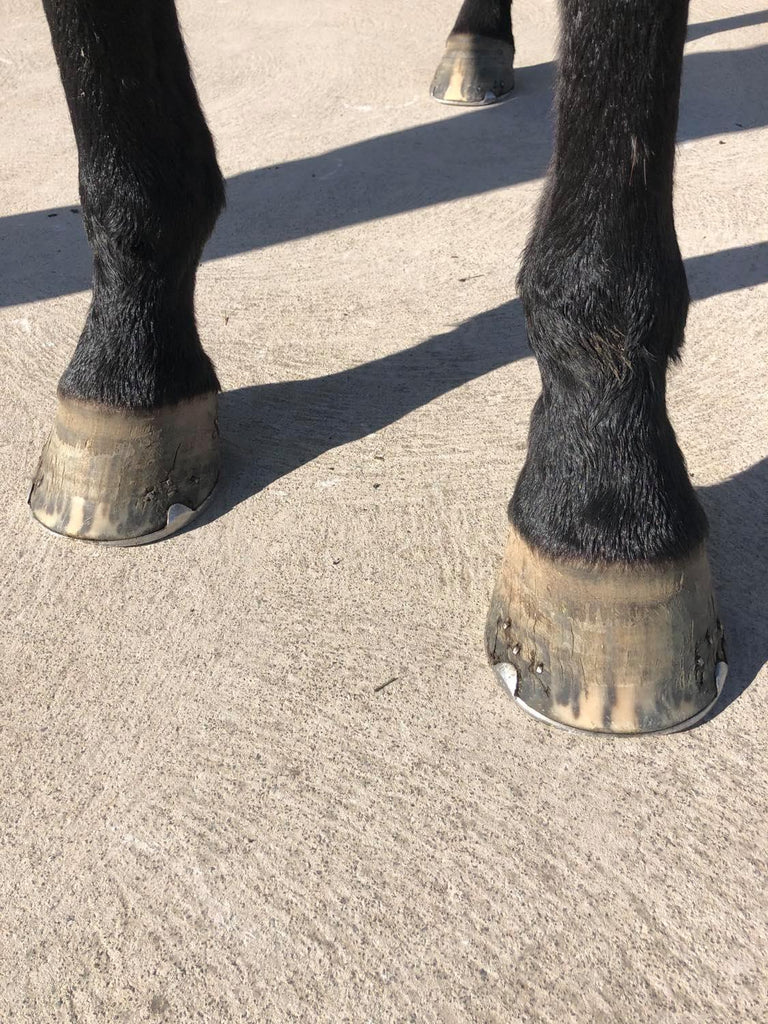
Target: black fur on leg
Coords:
[(605, 296), (151, 191), (492, 18)]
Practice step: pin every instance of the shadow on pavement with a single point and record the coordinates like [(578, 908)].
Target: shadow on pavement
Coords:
[(269, 430), (467, 154), (710, 28), (280, 426), (738, 550)]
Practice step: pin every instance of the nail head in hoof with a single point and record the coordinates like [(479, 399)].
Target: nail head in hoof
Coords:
[(125, 476), (475, 71), (607, 648)]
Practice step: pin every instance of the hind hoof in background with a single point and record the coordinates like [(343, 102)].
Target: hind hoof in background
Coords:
[(475, 71), (607, 648), (124, 476)]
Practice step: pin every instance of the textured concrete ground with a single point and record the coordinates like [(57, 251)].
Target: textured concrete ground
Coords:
[(211, 809)]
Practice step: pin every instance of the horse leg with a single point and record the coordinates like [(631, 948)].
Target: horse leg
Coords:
[(603, 616), (134, 448), (477, 67)]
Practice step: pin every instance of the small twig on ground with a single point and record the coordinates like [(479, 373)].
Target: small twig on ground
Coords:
[(382, 685)]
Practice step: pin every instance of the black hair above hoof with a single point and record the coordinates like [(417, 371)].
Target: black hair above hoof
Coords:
[(609, 648), (126, 476), (474, 71)]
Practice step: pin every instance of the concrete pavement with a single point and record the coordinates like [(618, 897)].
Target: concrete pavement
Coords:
[(260, 771)]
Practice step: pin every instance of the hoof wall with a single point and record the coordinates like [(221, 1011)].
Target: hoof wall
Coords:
[(475, 71), (125, 477), (607, 648)]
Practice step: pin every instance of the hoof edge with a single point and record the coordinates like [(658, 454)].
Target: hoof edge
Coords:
[(507, 676)]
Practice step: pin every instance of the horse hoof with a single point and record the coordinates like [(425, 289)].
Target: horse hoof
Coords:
[(124, 476), (475, 71), (607, 648)]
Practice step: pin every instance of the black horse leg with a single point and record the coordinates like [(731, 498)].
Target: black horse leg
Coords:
[(603, 617), (135, 436), (477, 67)]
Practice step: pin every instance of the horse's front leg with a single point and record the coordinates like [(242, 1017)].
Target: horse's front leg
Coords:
[(603, 616), (477, 67), (135, 440)]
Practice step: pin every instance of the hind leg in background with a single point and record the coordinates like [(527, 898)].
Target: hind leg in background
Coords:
[(603, 617), (477, 67), (135, 440)]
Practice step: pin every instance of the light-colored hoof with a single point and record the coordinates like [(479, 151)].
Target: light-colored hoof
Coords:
[(122, 476), (475, 71), (607, 648)]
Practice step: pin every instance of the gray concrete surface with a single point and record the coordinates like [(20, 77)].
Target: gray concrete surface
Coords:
[(211, 810)]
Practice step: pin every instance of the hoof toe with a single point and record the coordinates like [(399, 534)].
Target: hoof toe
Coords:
[(607, 648), (123, 476), (475, 71)]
